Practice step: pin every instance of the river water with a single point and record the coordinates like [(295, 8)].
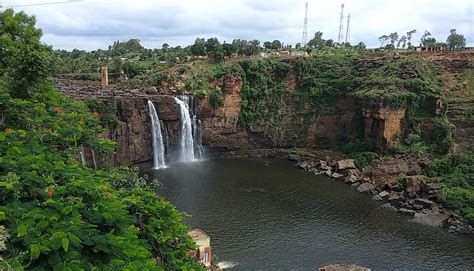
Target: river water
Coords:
[(264, 214)]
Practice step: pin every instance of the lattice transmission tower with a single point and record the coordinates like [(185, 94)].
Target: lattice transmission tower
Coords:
[(305, 26), (348, 31), (341, 27)]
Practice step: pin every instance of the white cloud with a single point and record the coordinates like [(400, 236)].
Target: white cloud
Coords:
[(95, 24)]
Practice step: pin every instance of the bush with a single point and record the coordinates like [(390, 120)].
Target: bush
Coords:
[(62, 216), (216, 98), (456, 173)]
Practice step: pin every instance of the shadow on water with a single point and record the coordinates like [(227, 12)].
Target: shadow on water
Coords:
[(266, 214)]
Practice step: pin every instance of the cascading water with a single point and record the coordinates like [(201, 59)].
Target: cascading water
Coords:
[(186, 148), (94, 159), (83, 157), (197, 135), (158, 146)]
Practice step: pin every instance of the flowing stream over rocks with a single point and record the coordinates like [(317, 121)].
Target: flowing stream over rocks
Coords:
[(157, 138), (265, 214)]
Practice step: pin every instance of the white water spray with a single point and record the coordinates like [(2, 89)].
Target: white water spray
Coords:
[(158, 146), (186, 148)]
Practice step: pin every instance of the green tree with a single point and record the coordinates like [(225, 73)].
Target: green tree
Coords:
[(427, 39), (165, 47), (409, 35), (455, 41), (329, 43), (317, 41), (383, 39), (267, 45), (402, 42), (25, 62), (360, 46), (393, 38), (276, 45), (199, 47), (229, 49)]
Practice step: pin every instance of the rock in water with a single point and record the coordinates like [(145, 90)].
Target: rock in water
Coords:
[(431, 219), (365, 187)]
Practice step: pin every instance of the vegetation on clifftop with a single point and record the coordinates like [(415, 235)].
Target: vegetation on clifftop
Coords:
[(55, 213)]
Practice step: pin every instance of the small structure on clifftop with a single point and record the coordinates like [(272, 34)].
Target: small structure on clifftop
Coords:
[(204, 252)]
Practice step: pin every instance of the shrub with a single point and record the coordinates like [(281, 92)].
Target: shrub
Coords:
[(216, 98)]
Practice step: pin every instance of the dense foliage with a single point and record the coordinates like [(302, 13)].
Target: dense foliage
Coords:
[(54, 213), (456, 173)]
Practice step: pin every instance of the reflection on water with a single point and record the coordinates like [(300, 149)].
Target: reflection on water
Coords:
[(266, 214)]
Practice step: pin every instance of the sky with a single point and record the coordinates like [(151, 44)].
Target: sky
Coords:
[(93, 24)]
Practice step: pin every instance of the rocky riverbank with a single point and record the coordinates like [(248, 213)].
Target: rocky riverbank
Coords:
[(396, 182)]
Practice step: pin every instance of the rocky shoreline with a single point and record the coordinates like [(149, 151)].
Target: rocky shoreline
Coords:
[(397, 183)]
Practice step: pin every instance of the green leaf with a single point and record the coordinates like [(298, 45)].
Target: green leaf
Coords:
[(42, 224), (67, 210), (2, 216), (35, 250), (74, 239), (65, 244), (22, 229), (2, 136), (58, 234)]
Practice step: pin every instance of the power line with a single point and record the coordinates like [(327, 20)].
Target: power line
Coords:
[(44, 4)]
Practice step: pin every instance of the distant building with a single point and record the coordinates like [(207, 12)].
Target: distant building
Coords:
[(204, 252), (430, 48)]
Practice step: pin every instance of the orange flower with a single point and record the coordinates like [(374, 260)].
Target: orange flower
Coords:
[(58, 110), (50, 192), (6, 130), (96, 114)]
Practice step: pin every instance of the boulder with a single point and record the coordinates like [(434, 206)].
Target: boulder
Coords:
[(388, 206), (426, 203), (151, 90), (365, 188), (337, 176), (323, 165), (345, 164), (432, 186), (293, 157), (431, 219), (414, 183), (377, 197), (406, 211), (384, 194)]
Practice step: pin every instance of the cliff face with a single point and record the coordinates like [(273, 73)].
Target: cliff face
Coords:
[(299, 125)]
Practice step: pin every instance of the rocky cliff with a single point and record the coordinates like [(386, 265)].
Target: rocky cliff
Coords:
[(298, 124)]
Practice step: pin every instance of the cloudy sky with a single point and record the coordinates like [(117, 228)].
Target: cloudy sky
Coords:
[(92, 24)]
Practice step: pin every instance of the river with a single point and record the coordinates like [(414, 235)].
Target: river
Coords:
[(264, 214)]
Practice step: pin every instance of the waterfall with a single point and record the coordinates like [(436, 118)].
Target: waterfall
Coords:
[(158, 146), (83, 158), (93, 158), (197, 135), (186, 148)]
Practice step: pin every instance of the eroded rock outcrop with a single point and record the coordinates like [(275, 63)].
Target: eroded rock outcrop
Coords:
[(382, 124)]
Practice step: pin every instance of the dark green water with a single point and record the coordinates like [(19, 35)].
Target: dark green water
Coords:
[(264, 214)]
